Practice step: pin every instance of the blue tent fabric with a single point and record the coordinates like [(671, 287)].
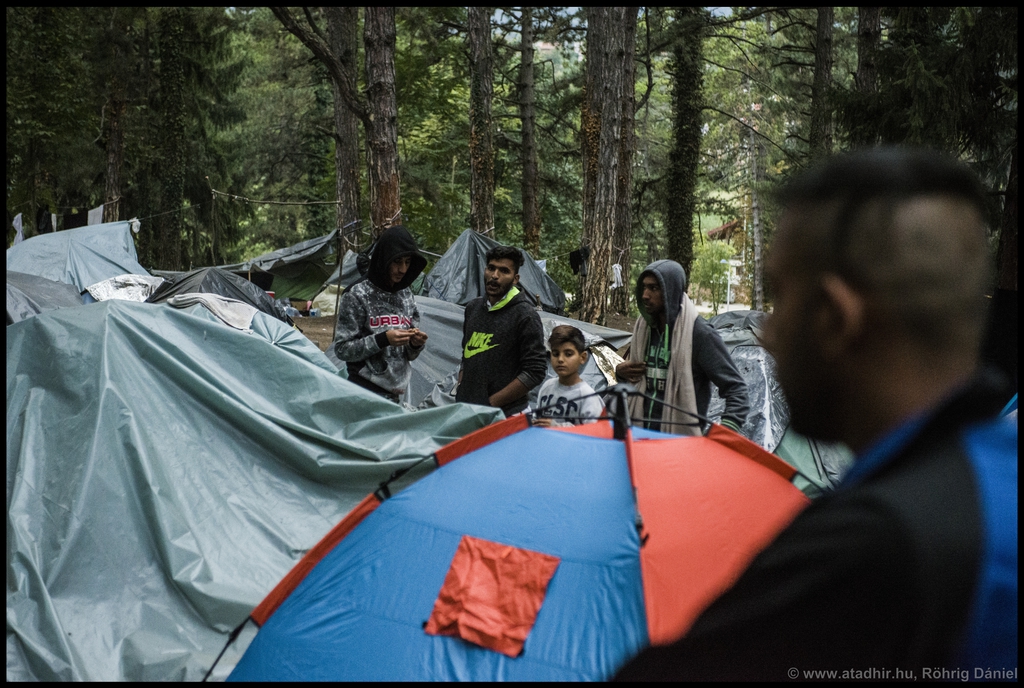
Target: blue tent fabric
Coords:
[(80, 257), (359, 614)]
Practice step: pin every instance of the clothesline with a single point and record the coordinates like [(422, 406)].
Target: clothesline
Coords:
[(250, 200)]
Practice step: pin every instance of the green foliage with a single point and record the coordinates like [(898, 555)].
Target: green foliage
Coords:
[(947, 79), (53, 113), (282, 150), (256, 116), (64, 66), (710, 276)]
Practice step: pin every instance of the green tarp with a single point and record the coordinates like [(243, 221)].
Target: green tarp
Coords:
[(299, 271), (164, 471)]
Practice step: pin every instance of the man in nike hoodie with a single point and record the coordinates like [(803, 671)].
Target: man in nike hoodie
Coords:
[(674, 357), (503, 353), (378, 319)]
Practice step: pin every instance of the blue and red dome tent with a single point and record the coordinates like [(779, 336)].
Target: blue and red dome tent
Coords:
[(530, 554)]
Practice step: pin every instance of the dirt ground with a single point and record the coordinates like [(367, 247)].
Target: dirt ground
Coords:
[(619, 322), (319, 330)]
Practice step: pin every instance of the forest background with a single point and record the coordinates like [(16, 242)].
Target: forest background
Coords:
[(630, 131)]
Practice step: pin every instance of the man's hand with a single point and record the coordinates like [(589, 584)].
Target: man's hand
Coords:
[(630, 372), (400, 337), (511, 392), (418, 338), (543, 422)]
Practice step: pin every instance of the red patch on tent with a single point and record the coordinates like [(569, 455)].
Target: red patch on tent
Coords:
[(492, 594)]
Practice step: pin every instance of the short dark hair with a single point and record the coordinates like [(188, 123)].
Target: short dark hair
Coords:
[(506, 253), (886, 175), (567, 334), (907, 227)]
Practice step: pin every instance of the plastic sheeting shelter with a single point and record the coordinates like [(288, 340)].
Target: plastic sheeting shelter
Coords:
[(80, 257), (222, 283), (359, 607), (458, 275), (347, 273), (298, 271), (164, 471), (29, 295)]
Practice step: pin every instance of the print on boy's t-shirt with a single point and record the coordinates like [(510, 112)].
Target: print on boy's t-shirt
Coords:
[(571, 405)]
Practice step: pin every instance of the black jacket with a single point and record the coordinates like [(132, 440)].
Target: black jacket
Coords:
[(877, 577), (499, 346)]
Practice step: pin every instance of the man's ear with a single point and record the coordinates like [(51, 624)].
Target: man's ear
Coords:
[(841, 318), (515, 280)]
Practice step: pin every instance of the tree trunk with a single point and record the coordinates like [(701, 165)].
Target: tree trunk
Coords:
[(869, 34), (601, 119), (378, 112), (116, 106), (481, 145), (687, 105), (173, 177), (382, 119), (528, 152), (622, 241), (756, 228), (343, 33), (821, 111)]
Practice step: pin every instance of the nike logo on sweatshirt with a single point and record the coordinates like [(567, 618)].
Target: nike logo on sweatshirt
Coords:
[(478, 343)]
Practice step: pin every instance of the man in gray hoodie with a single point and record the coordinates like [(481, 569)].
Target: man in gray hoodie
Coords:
[(675, 356), (378, 320)]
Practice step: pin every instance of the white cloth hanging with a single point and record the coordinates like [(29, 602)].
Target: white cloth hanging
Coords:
[(18, 236), (617, 281)]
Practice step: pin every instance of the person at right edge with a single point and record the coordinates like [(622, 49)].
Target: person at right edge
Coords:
[(909, 570), (675, 356)]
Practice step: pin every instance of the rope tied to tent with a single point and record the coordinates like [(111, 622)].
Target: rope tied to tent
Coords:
[(232, 637)]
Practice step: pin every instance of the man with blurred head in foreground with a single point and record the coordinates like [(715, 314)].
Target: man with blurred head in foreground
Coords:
[(879, 271)]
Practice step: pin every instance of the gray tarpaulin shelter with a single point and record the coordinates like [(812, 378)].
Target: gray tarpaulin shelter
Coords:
[(458, 275), (823, 464), (222, 283), (298, 271), (165, 471), (294, 272), (80, 257), (29, 295), (347, 273)]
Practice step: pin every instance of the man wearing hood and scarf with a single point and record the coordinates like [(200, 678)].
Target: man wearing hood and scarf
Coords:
[(675, 356), (378, 320)]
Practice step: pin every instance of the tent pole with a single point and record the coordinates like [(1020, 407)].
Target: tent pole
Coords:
[(337, 297)]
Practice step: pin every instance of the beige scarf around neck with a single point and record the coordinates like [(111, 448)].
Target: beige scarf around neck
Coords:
[(679, 389)]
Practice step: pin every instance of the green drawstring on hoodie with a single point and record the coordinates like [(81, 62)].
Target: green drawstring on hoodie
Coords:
[(662, 346)]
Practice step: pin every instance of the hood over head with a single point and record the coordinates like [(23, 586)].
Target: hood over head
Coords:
[(394, 243), (672, 278)]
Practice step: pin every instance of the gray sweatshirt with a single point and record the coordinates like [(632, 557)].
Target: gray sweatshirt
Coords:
[(372, 307)]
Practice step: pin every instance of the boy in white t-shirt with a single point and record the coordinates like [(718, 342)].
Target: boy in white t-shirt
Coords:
[(567, 400)]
